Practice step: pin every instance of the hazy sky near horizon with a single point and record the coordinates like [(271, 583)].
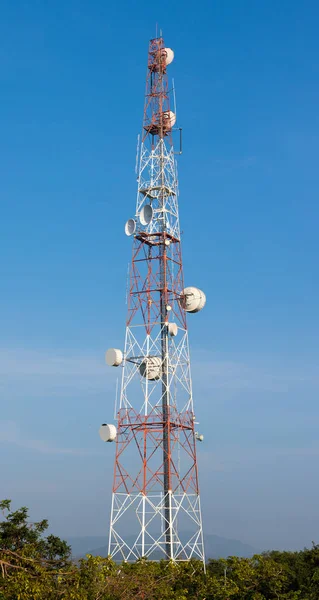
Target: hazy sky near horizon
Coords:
[(72, 83)]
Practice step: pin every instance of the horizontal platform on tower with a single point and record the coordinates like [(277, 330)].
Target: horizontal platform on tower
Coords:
[(152, 191), (156, 239), (149, 426)]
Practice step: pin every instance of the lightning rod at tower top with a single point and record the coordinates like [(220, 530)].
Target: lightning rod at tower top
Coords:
[(156, 509)]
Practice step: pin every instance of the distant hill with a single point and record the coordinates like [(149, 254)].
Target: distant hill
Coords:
[(215, 547), (219, 547)]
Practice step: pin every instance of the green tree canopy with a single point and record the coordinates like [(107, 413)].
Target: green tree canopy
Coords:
[(38, 567)]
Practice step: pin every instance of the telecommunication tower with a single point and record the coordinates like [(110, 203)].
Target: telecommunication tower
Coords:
[(155, 503)]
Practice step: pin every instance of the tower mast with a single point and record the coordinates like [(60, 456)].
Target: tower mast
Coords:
[(155, 503)]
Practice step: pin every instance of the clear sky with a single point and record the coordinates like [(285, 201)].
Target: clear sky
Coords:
[(72, 78)]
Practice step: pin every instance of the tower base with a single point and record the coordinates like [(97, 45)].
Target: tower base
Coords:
[(139, 529)]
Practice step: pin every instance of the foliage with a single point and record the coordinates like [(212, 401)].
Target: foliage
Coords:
[(16, 532), (34, 567)]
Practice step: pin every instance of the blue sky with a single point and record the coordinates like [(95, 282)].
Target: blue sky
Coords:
[(72, 81)]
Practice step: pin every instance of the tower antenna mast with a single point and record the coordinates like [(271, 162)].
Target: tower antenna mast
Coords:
[(155, 503)]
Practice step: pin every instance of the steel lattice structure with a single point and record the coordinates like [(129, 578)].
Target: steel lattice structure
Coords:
[(155, 504)]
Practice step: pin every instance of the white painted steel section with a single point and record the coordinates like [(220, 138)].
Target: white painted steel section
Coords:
[(148, 511), (157, 181)]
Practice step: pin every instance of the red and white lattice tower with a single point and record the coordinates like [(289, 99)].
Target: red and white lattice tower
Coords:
[(155, 504)]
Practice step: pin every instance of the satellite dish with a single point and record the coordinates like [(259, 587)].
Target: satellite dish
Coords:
[(172, 329), (168, 55), (107, 432), (146, 214), (130, 227), (169, 119), (164, 56), (113, 357), (151, 367), (192, 299)]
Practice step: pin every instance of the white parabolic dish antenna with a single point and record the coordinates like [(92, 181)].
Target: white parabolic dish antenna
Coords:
[(146, 214), (165, 55), (130, 227), (151, 367), (113, 357), (172, 329), (193, 299), (107, 432), (169, 119), (168, 54)]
